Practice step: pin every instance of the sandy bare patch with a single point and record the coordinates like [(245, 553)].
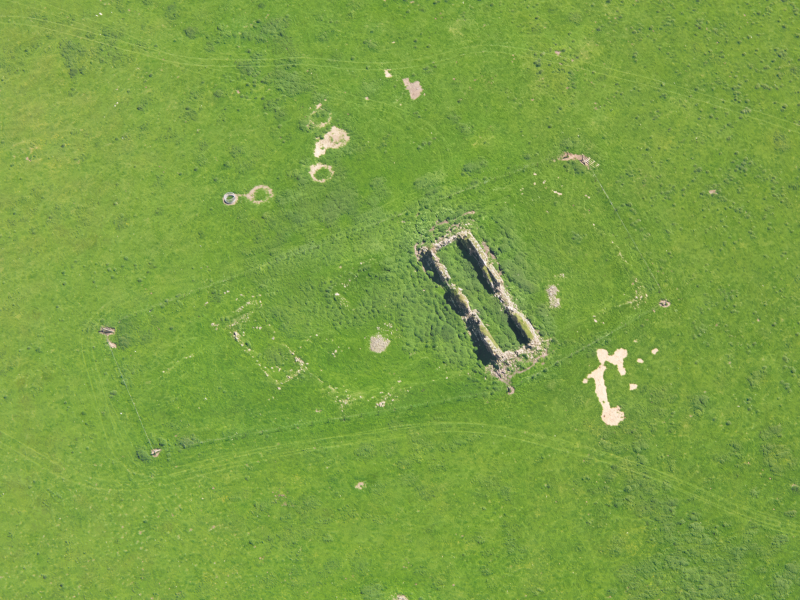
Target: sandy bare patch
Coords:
[(378, 343), (400, 597), (552, 293), (230, 198), (112, 344), (712, 192), (558, 52), (632, 386), (313, 172), (361, 485), (251, 195), (335, 138), (387, 73), (617, 359), (654, 351), (155, 452), (611, 416), (414, 89), (380, 404)]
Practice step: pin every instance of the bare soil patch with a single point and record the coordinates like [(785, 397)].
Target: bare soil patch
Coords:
[(335, 138), (387, 73), (313, 172), (361, 485), (414, 89), (611, 416), (378, 343), (251, 195)]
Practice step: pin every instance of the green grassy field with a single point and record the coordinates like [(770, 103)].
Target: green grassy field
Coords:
[(243, 331)]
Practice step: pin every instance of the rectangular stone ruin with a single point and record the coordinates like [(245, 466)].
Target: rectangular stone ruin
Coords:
[(504, 362)]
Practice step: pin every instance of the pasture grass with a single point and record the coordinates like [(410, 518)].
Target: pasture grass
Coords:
[(119, 135)]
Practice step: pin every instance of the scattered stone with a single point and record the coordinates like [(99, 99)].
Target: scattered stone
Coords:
[(552, 293), (155, 452), (663, 303), (582, 158), (380, 404), (378, 343), (361, 485), (654, 351), (632, 386), (639, 360), (387, 73)]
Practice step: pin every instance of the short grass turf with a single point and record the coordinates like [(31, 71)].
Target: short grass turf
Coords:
[(119, 135)]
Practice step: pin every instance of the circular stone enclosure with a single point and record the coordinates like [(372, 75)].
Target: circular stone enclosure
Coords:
[(230, 198), (251, 195), (317, 167), (316, 118)]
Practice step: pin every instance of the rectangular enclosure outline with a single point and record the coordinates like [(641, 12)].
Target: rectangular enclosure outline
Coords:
[(505, 362)]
